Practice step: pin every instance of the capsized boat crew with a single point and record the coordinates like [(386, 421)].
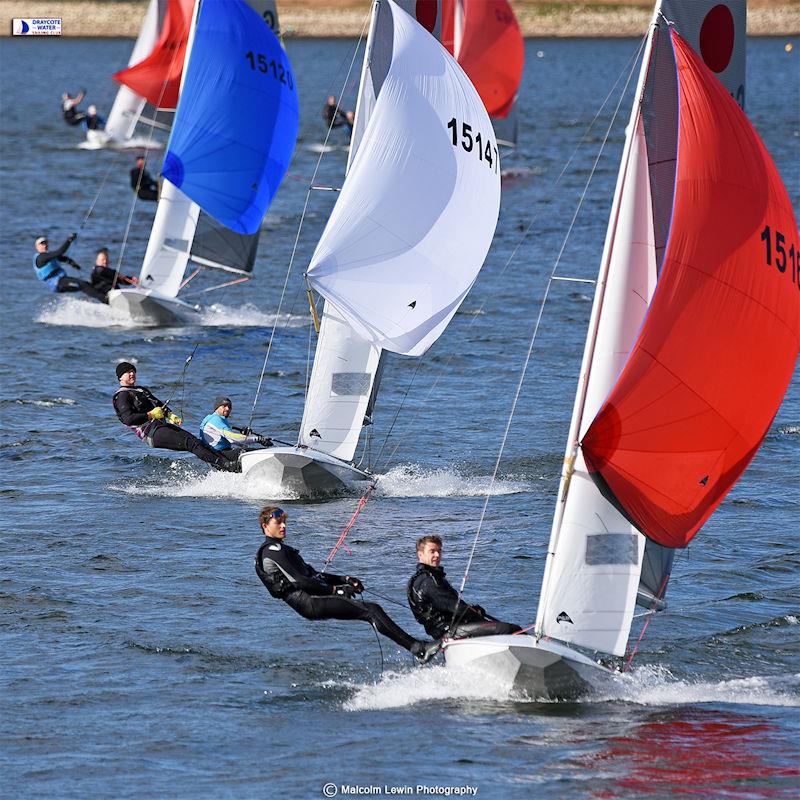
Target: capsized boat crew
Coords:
[(154, 422), (48, 269), (227, 439), (436, 604), (322, 595)]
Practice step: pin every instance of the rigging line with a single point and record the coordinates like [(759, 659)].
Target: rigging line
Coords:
[(294, 249), (99, 191), (441, 370), (385, 598), (535, 332), (343, 535)]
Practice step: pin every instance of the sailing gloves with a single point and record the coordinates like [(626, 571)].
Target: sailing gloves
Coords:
[(72, 237), (345, 590), (265, 441), (156, 413), (355, 583), (174, 418)]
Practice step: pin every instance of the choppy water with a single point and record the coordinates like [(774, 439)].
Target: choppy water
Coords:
[(140, 654)]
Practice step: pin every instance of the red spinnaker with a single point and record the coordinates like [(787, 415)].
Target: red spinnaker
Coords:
[(158, 77), (718, 347), (492, 51)]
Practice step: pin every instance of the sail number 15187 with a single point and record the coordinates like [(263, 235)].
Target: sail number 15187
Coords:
[(781, 254), (474, 143)]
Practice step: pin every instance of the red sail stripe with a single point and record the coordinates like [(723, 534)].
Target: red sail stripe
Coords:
[(717, 350), (157, 78)]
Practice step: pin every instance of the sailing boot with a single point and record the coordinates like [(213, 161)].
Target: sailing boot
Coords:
[(425, 650)]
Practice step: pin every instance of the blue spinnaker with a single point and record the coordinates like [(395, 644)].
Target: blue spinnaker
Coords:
[(236, 123)]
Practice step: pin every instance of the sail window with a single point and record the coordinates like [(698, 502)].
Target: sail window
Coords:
[(353, 384), (612, 548)]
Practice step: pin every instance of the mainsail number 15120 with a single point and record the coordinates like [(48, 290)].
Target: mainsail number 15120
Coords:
[(474, 143)]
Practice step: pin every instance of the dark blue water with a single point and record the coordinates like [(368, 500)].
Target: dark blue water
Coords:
[(140, 655)]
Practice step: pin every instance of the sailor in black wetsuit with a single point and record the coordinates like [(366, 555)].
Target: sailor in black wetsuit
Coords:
[(320, 595), (48, 269), (154, 423), (142, 182), (69, 108), (104, 278), (436, 605)]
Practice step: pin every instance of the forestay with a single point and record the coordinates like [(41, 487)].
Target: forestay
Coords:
[(418, 210)]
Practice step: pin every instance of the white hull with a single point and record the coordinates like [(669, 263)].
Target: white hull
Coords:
[(543, 669), (301, 470), (98, 140), (147, 307)]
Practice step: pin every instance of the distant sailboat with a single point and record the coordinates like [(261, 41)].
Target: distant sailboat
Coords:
[(403, 245), (152, 76), (234, 134), (485, 38), (691, 346)]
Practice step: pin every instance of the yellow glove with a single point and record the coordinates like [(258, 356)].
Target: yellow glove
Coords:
[(174, 418), (156, 413)]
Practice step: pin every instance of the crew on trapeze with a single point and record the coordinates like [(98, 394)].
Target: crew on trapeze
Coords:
[(69, 108), (104, 278), (48, 269), (322, 595), (437, 606), (154, 422), (227, 439), (334, 116), (142, 182), (93, 121)]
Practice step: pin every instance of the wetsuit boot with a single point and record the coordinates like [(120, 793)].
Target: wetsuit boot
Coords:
[(424, 651)]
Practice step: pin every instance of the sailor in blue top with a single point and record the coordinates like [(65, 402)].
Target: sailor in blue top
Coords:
[(48, 269), (219, 434)]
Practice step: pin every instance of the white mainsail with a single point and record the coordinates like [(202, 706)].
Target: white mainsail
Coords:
[(411, 228), (595, 555), (128, 105)]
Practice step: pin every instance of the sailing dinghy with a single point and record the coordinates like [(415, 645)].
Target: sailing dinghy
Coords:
[(234, 134), (403, 245), (692, 342), (152, 76)]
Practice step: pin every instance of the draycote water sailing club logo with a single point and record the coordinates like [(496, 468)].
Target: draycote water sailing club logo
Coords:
[(36, 27)]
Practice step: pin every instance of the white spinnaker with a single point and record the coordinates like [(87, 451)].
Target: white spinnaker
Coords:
[(128, 105), (592, 575), (344, 370), (416, 214)]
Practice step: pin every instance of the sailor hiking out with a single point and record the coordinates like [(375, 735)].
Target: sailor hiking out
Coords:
[(436, 604), (321, 595), (226, 439), (156, 424), (48, 269)]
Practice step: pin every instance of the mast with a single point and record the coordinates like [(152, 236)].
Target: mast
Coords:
[(591, 340)]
